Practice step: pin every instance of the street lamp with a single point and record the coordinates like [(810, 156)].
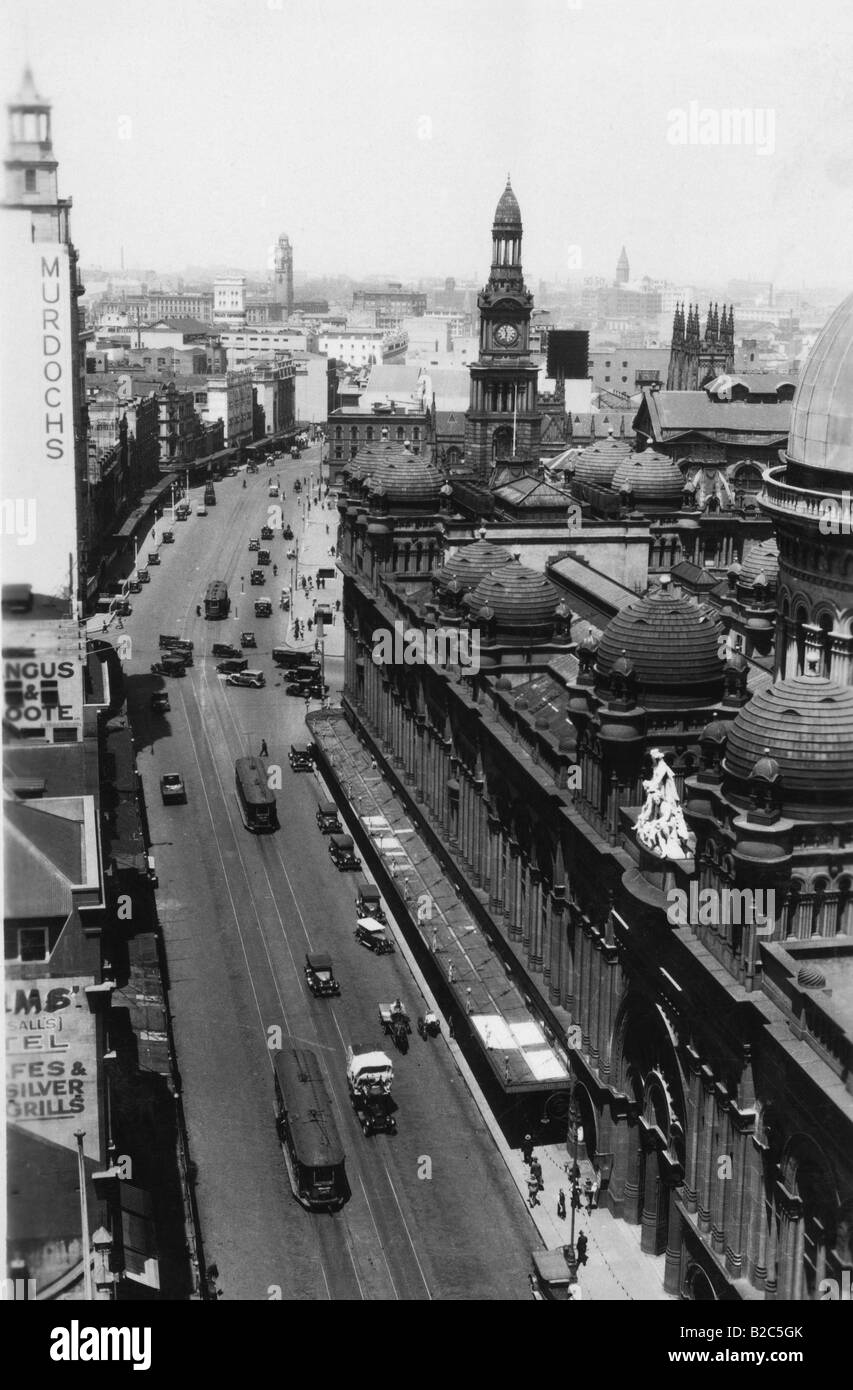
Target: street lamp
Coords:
[(573, 1131)]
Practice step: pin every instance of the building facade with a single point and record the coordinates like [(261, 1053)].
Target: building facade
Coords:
[(697, 358)]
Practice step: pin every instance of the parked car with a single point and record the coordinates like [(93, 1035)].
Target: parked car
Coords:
[(160, 702), (224, 649), (254, 680), (372, 934), (122, 607), (320, 974), (184, 651), (301, 757), (233, 665), (172, 787), (135, 587), (328, 819), (368, 902), (169, 666), (153, 557), (168, 537), (342, 851), (143, 576), (201, 509)]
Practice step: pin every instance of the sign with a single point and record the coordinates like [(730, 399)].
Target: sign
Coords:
[(51, 1061), (43, 681), (37, 437)]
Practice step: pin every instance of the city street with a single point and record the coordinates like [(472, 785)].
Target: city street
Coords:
[(434, 1212)]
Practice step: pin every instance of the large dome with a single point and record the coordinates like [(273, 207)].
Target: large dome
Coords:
[(598, 462), (821, 429), (761, 559), (471, 563), (390, 468), (650, 476), (673, 645), (521, 601), (807, 724), (507, 212)]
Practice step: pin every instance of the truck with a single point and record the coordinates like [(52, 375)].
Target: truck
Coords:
[(370, 1076)]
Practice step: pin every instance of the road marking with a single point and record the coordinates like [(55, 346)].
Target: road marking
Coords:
[(406, 1229)]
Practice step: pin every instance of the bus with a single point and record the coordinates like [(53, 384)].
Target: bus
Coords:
[(257, 801), (216, 600), (313, 1152)]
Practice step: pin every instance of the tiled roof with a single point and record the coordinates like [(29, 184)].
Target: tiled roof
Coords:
[(507, 212), (599, 461), (807, 723), (672, 642), (822, 411), (677, 411), (649, 475), (523, 600), (471, 563), (761, 558), (393, 469)]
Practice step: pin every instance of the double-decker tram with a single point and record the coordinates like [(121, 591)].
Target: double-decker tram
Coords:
[(256, 800), (216, 600), (313, 1152)]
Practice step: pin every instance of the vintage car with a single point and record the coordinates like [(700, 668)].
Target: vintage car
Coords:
[(287, 533), (247, 639), (224, 649), (301, 757), (143, 576), (272, 490), (254, 680), (267, 533), (122, 607), (185, 651), (320, 975), (342, 851), (168, 538), (201, 509), (294, 453), (372, 934), (297, 486), (254, 543), (172, 787), (134, 586), (153, 557), (368, 902), (328, 819), (263, 607), (232, 665), (167, 642), (160, 703), (314, 689), (552, 1280), (257, 577), (169, 666)]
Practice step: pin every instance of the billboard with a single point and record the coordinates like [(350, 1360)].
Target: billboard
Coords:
[(568, 353), (37, 356), (51, 1061), (43, 690)]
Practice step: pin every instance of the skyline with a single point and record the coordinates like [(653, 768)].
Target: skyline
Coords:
[(396, 169)]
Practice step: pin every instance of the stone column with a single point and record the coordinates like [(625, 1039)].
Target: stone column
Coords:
[(735, 1233), (511, 892), (694, 1103), (595, 988), (535, 915), (672, 1264), (721, 1186), (495, 896), (709, 1149)]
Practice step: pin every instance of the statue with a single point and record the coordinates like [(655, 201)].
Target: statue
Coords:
[(661, 826)]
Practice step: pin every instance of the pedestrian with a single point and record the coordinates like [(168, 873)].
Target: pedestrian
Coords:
[(587, 1192), (527, 1148), (580, 1246), (532, 1192), (263, 752), (596, 1187), (374, 764), (310, 625), (536, 1170), (561, 1205), (576, 1197)]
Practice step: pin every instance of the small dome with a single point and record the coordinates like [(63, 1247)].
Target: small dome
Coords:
[(468, 565), (766, 769), (507, 212), (503, 683), (821, 426), (650, 476), (391, 470), (523, 601), (761, 559), (673, 644), (715, 732), (598, 462), (376, 528), (809, 977), (805, 724)]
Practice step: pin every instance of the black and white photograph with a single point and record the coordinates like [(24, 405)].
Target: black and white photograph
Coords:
[(426, 434)]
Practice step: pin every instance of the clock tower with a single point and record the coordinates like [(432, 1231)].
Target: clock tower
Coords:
[(502, 421)]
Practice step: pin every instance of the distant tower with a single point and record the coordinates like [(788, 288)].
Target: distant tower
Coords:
[(623, 273), (695, 359), (31, 168), (283, 279)]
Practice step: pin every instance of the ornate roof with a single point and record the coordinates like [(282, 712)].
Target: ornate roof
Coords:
[(673, 644), (507, 212), (649, 475), (821, 429), (471, 563), (522, 601), (807, 724), (598, 462), (761, 558), (390, 468)]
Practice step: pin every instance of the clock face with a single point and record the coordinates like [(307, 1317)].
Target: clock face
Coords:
[(506, 334)]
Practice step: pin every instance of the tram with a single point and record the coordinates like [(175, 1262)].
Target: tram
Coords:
[(312, 1148), (257, 802), (216, 600)]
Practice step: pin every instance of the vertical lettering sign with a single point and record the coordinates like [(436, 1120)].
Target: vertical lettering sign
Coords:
[(51, 1061), (37, 355)]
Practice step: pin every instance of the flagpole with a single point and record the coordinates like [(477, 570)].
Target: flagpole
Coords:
[(514, 417)]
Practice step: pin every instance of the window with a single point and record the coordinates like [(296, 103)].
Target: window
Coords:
[(339, 453), (624, 378), (607, 364), (624, 364), (401, 433), (369, 433), (417, 432), (607, 378), (32, 944), (30, 187)]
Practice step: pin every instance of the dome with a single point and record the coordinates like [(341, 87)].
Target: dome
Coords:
[(507, 212), (809, 977), (672, 643), (598, 462), (820, 434), (761, 559), (390, 469), (806, 723), (649, 475), (523, 602), (471, 563)]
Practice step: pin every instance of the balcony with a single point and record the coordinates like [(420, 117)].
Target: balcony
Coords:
[(777, 496)]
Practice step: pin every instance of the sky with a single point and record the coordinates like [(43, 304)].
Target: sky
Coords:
[(379, 133)]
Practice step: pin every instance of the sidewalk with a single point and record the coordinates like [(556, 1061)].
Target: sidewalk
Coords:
[(616, 1267), (314, 543)]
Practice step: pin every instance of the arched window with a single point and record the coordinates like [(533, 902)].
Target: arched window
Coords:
[(401, 433), (369, 434), (339, 434)]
